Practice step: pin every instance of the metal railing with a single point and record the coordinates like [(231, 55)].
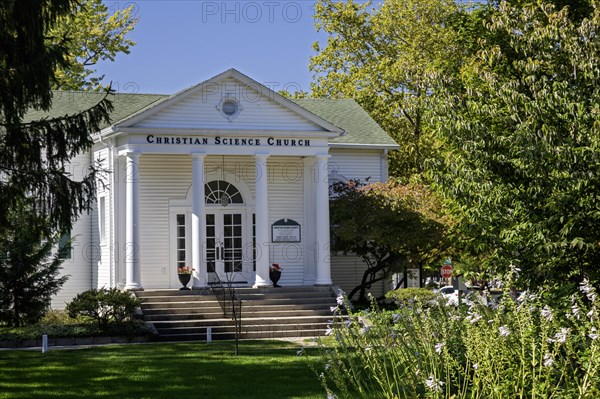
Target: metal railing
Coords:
[(229, 302)]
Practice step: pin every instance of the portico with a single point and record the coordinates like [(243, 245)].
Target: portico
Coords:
[(223, 186)]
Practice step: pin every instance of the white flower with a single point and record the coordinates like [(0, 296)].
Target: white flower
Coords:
[(331, 396), (327, 365), (396, 317), (300, 352), (475, 366), (561, 336), (334, 309), (474, 319), (433, 384), (547, 313), (548, 360), (575, 311), (504, 331), (522, 297), (593, 335), (588, 289), (590, 314), (340, 299), (438, 347), (329, 330)]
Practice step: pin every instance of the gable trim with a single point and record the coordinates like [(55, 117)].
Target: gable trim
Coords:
[(231, 73)]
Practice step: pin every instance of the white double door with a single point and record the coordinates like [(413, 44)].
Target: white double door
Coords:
[(229, 248)]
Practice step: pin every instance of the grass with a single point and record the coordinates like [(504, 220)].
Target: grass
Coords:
[(263, 369)]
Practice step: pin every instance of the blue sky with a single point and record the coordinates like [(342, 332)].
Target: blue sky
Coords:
[(181, 43)]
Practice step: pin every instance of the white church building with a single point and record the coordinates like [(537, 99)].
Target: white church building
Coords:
[(226, 177)]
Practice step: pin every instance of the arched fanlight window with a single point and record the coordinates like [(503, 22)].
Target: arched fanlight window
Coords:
[(222, 193)]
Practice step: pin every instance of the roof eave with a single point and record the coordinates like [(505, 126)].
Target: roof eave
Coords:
[(365, 146)]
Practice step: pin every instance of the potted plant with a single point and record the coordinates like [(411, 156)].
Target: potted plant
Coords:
[(275, 274), (185, 275)]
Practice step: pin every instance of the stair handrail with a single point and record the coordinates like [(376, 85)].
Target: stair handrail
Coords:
[(229, 297)]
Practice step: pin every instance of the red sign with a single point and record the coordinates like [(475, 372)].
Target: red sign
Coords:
[(446, 271)]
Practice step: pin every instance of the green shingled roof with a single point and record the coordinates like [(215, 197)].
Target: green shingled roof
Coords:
[(360, 128), (72, 102), (347, 114)]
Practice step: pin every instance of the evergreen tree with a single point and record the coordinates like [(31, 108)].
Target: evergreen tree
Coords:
[(30, 263), (39, 197), (34, 153)]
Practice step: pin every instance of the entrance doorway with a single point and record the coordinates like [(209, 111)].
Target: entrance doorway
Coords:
[(226, 231), (225, 244)]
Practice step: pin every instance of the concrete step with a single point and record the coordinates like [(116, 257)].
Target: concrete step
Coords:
[(267, 312), (183, 314), (175, 305), (180, 298), (245, 322), (173, 292)]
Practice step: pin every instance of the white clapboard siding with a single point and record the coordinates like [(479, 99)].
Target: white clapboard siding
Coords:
[(199, 111), (236, 168), (286, 201), (347, 272), (161, 178), (78, 267), (356, 164), (365, 166), (101, 264)]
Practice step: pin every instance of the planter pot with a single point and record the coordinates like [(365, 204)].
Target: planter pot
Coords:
[(184, 279), (275, 275)]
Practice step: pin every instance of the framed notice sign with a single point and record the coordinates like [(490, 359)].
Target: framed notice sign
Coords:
[(285, 230)]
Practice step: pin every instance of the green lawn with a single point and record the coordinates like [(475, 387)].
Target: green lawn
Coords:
[(263, 369)]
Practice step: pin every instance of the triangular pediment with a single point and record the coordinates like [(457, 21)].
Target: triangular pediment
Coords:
[(211, 106)]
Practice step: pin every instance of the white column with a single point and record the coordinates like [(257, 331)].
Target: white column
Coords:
[(262, 222), (132, 223), (198, 220), (322, 220)]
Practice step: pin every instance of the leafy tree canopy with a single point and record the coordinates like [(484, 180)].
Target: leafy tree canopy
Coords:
[(94, 35), (389, 57), (523, 144), (389, 225)]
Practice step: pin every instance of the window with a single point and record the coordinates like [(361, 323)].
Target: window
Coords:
[(64, 244), (222, 193), (180, 237), (102, 219), (229, 107)]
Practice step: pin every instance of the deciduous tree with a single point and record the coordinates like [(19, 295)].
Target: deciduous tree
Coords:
[(523, 140), (389, 57), (95, 34), (390, 225)]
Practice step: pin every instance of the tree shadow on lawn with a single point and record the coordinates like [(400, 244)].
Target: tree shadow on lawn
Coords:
[(263, 369)]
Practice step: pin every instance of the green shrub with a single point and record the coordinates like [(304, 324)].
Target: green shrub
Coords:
[(104, 306), (57, 318), (127, 329), (411, 296)]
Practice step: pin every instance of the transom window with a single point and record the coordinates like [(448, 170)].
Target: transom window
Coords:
[(220, 192)]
